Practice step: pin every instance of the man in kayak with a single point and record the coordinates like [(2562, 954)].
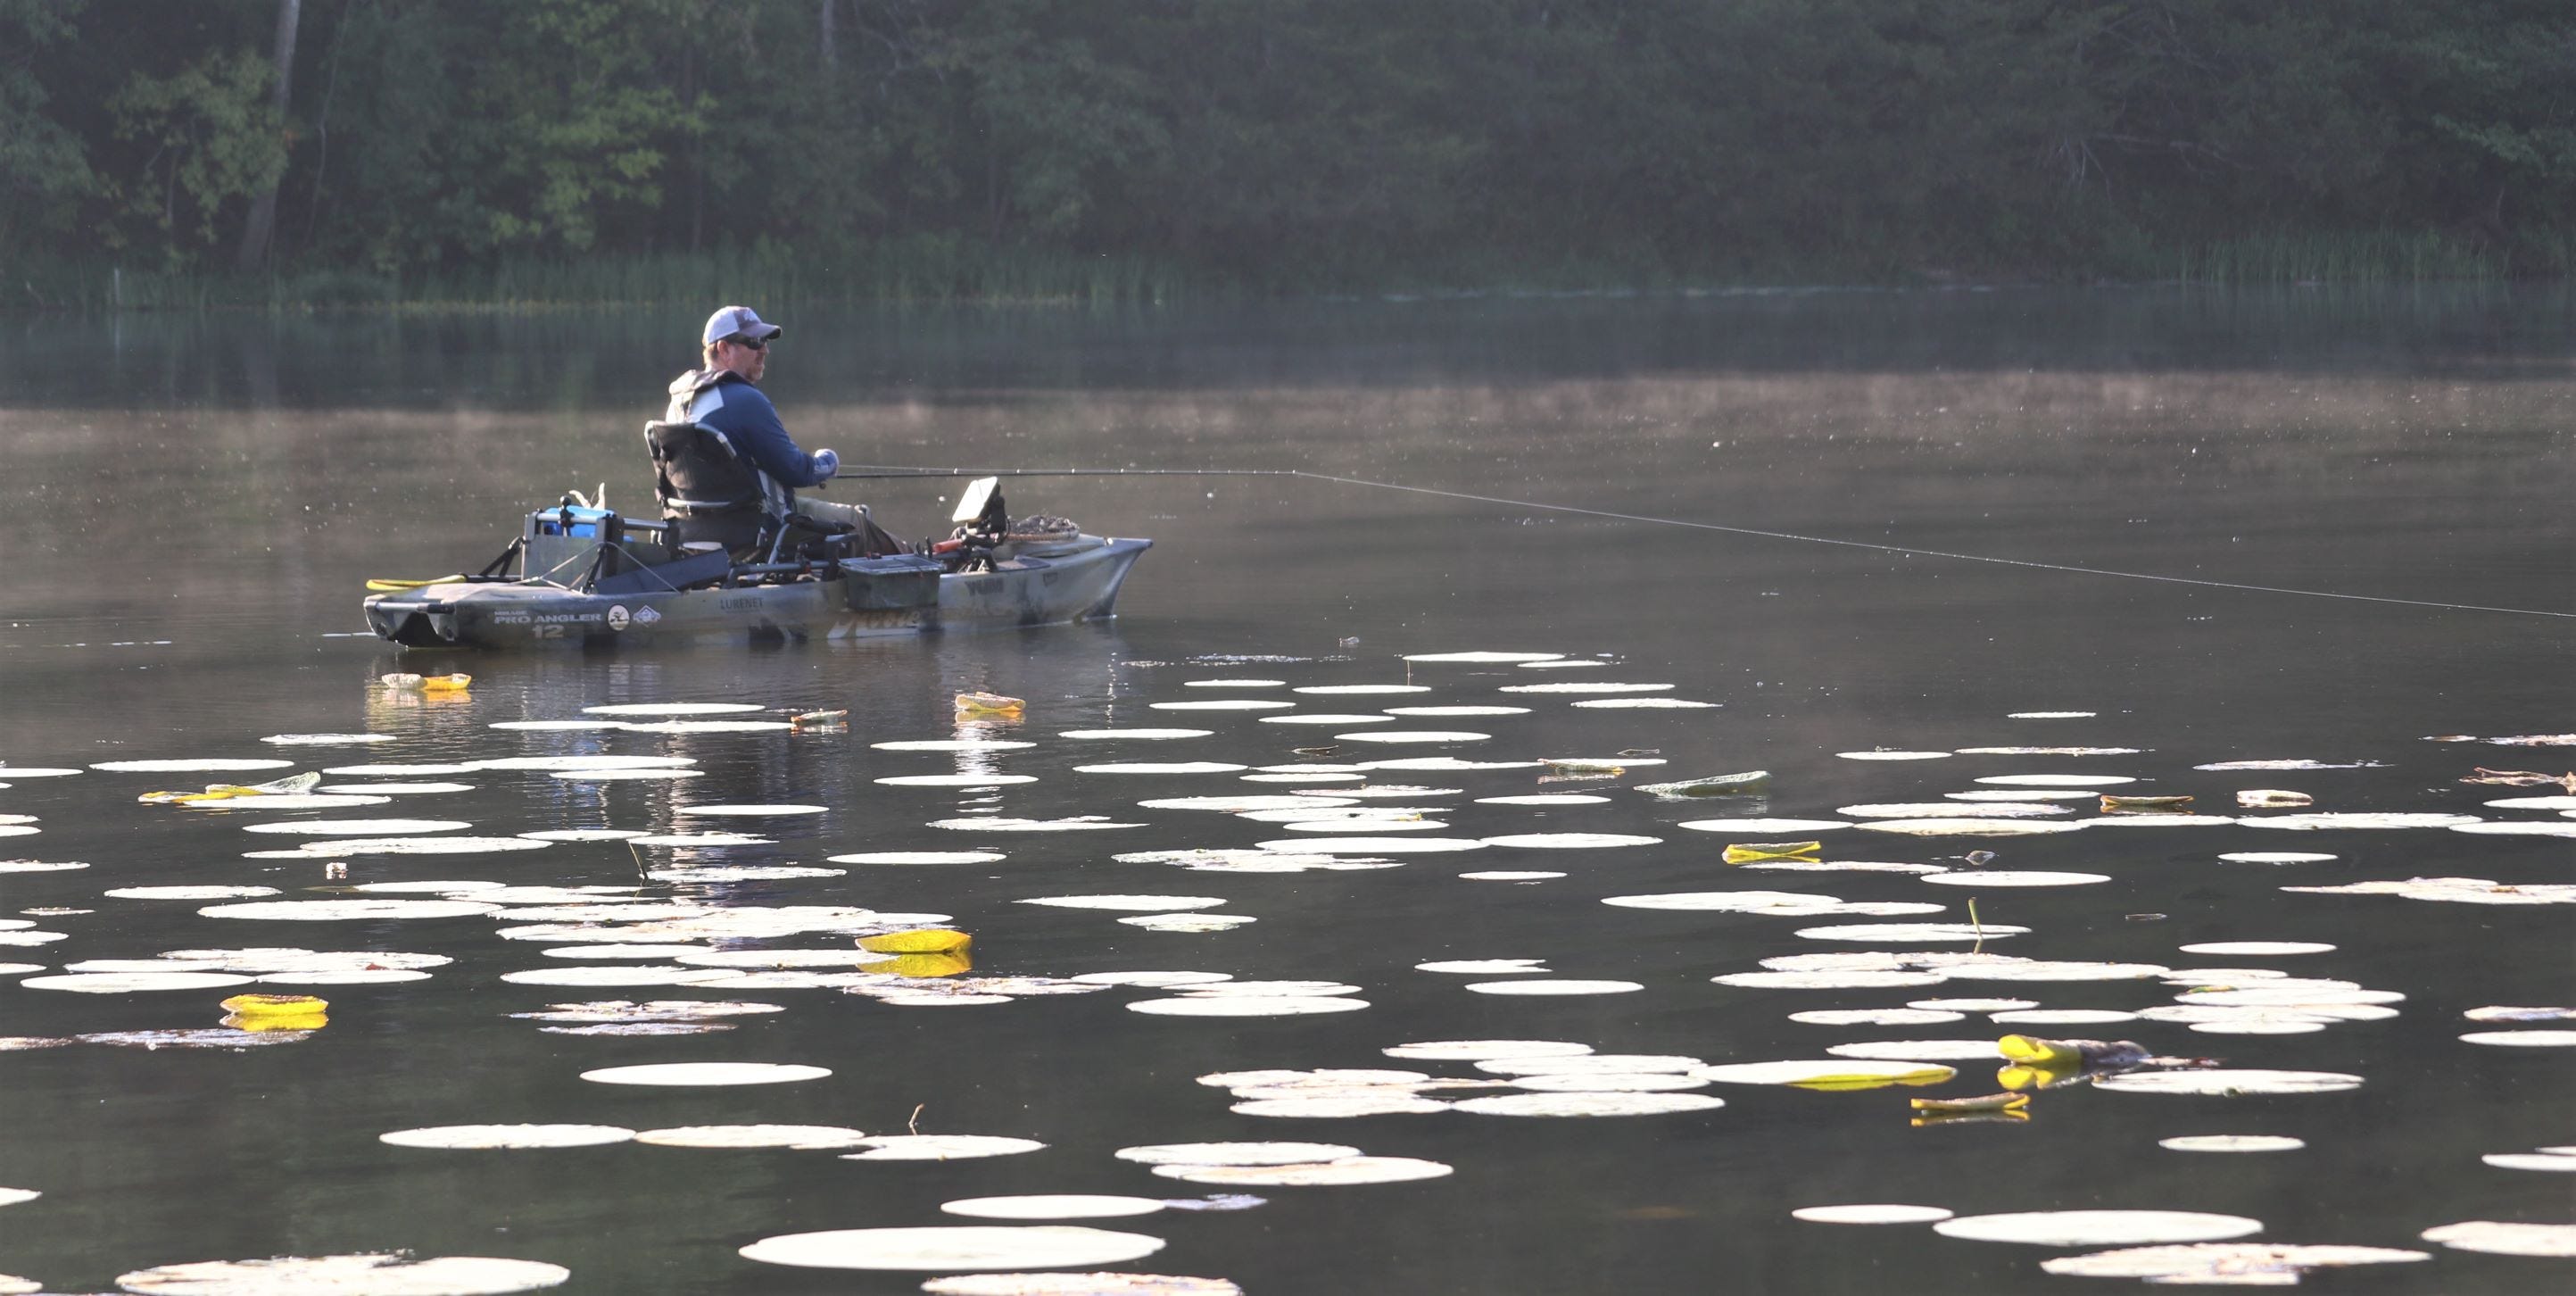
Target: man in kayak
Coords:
[(725, 469)]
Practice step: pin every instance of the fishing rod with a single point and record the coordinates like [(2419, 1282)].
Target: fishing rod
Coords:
[(883, 472)]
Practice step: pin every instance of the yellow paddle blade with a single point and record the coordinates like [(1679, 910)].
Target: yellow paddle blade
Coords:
[(444, 683), (1750, 852), (933, 940), (387, 585)]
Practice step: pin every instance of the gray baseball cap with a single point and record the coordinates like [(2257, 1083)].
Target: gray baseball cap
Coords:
[(736, 322)]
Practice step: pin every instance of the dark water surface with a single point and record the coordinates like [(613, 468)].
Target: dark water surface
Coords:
[(191, 506)]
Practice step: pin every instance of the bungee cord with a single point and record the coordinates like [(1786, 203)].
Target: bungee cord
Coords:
[(895, 471)]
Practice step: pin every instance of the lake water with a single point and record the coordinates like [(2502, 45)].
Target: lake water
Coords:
[(192, 504)]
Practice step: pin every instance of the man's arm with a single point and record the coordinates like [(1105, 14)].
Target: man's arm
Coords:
[(751, 423)]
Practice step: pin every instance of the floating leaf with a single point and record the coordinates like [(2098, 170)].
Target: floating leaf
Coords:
[(130, 982), (2504, 1014), (1247, 1006), (348, 910), (1918, 1050), (2074, 1228), (1588, 1104), (940, 1147), (1338, 1106), (945, 1249), (2061, 1017), (2311, 822), (2235, 1264), (2494, 1238), (1954, 810), (1170, 922), (1053, 1206), (2229, 1083), (1831, 1074), (1912, 932), (1079, 823), (1483, 967), (1645, 704), (706, 1073), (798, 1137), (921, 857), (1971, 827), (1480, 1050), (1590, 1063), (2285, 765), (1883, 754), (1553, 986), (2013, 878), (180, 766), (507, 1136), (2275, 857), (1570, 841), (1412, 736), (1876, 1016), (1370, 845), (1160, 767), (2502, 1039), (1128, 903), (381, 1274), (672, 708), (2544, 1161), (1235, 1154), (1763, 825), (2232, 1143), (1826, 980), (1334, 1173), (188, 892), (1873, 1213), (1484, 658), (1588, 686), (1509, 875)]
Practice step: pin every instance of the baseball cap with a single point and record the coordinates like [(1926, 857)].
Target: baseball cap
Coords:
[(736, 322)]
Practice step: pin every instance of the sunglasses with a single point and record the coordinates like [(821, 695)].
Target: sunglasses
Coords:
[(750, 344)]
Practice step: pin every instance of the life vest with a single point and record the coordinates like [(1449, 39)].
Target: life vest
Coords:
[(696, 470)]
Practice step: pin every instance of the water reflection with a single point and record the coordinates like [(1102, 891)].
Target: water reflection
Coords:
[(2394, 448)]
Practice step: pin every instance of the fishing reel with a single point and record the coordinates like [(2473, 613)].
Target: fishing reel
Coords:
[(983, 524)]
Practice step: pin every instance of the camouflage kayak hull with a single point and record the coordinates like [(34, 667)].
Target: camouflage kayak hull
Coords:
[(1022, 591)]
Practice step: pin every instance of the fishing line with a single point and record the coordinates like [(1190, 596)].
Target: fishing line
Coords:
[(890, 471)]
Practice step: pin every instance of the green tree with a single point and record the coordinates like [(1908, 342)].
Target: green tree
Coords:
[(214, 137)]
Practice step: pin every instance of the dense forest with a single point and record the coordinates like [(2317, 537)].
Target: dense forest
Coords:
[(157, 151)]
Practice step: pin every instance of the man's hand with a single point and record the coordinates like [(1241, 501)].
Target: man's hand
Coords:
[(827, 462)]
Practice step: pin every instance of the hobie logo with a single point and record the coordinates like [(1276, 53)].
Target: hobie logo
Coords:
[(617, 616), (646, 616)]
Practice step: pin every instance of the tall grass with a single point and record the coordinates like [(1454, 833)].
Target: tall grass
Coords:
[(935, 269), (922, 270), (2355, 257)]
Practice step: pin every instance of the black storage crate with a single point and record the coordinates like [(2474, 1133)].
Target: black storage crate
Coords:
[(890, 584)]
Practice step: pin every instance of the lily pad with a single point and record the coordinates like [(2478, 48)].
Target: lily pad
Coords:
[(1872, 1213), (507, 1136), (2075, 1228), (1338, 1172), (940, 1250), (940, 1147), (378, 1274), (706, 1073)]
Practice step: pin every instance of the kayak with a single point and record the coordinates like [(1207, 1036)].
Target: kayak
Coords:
[(585, 577)]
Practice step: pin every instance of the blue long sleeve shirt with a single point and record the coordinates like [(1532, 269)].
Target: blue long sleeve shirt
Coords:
[(739, 410)]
